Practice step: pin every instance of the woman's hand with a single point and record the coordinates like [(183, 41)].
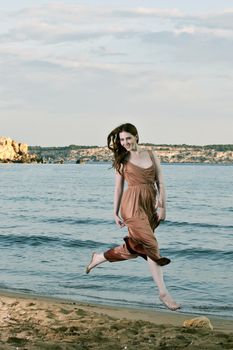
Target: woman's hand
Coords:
[(119, 221), (161, 214)]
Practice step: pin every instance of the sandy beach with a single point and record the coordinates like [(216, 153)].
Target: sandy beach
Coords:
[(32, 322)]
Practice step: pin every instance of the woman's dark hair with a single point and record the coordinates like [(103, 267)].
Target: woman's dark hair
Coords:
[(114, 144)]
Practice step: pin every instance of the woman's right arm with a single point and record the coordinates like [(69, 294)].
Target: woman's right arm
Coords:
[(119, 188)]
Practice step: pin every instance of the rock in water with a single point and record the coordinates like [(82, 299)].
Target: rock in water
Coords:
[(12, 151), (198, 322)]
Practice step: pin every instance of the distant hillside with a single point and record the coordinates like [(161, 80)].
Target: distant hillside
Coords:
[(220, 148), (216, 154)]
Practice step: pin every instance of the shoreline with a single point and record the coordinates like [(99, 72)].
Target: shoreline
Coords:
[(37, 322), (176, 318)]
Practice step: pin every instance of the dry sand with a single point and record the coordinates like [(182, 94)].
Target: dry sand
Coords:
[(31, 322)]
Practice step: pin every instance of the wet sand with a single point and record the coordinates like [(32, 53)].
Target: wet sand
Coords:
[(32, 322)]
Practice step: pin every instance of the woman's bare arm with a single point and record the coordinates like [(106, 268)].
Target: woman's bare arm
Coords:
[(161, 188), (119, 188)]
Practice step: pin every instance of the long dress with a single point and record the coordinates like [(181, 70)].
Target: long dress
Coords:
[(140, 216)]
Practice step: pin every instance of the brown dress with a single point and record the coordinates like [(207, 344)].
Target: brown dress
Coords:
[(140, 216)]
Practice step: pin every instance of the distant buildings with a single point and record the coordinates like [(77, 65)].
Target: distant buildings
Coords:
[(216, 154)]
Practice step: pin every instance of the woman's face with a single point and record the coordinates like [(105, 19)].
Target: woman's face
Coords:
[(128, 141)]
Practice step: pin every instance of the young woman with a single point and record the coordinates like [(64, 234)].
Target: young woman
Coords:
[(137, 207)]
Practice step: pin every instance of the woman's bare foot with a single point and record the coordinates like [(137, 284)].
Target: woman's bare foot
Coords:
[(167, 300), (96, 259)]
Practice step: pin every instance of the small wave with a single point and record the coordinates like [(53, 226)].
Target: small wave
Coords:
[(117, 301), (21, 198), (195, 224), (9, 227), (211, 254), (38, 240), (4, 287), (217, 308), (84, 221), (122, 279), (83, 286)]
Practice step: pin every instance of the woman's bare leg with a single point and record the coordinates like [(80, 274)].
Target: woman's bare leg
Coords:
[(96, 260), (164, 295)]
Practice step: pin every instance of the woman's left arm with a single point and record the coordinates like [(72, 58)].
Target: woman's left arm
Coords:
[(161, 188)]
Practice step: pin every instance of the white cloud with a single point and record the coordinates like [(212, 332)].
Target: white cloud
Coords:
[(216, 32), (153, 12), (60, 23)]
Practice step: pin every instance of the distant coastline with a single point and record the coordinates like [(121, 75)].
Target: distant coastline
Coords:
[(212, 154), (12, 151)]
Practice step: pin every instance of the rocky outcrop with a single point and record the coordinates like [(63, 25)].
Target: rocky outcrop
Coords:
[(14, 152)]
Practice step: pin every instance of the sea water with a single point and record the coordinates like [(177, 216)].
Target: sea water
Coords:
[(54, 216)]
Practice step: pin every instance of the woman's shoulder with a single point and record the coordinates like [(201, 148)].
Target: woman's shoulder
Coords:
[(145, 150), (154, 156), (153, 152)]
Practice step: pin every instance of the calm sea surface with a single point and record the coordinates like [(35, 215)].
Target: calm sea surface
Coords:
[(54, 216)]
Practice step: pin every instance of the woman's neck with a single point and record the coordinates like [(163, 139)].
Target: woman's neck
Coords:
[(136, 150)]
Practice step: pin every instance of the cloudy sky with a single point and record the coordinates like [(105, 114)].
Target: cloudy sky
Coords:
[(71, 71)]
